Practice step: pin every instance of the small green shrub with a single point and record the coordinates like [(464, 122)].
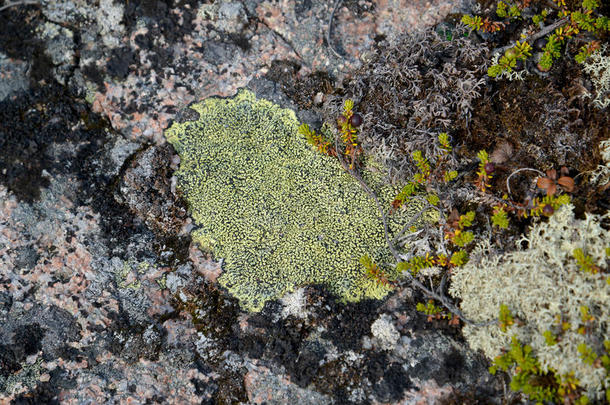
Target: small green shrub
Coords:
[(563, 23)]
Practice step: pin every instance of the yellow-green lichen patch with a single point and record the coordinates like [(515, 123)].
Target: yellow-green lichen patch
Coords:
[(278, 213)]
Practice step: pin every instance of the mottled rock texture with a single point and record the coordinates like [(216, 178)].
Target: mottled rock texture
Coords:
[(103, 296)]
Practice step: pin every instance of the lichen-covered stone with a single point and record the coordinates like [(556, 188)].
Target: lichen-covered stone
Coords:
[(545, 288), (279, 214)]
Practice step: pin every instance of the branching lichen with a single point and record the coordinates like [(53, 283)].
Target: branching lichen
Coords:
[(597, 66), (413, 89), (545, 288)]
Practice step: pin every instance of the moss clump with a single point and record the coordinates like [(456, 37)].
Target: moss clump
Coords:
[(557, 291), (280, 214)]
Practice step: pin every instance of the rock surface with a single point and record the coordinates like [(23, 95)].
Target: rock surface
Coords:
[(102, 297)]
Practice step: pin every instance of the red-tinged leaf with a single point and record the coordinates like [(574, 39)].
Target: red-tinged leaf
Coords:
[(567, 183), (545, 183)]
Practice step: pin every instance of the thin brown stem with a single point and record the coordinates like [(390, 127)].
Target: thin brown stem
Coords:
[(437, 296), (537, 35)]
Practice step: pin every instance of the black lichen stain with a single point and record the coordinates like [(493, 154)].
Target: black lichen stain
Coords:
[(165, 28), (34, 124), (46, 132), (301, 90), (25, 342), (18, 39), (145, 188), (215, 315), (118, 65), (162, 23)]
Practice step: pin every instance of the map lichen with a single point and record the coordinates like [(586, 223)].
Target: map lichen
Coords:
[(278, 213)]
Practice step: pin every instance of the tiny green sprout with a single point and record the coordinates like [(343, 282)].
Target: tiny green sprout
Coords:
[(586, 51), (463, 238), (348, 105), (484, 174), (499, 217), (475, 23), (407, 191), (443, 140), (587, 354), (373, 271), (432, 310), (501, 9), (317, 141), (450, 175), (415, 264), (585, 262), (548, 204), (539, 18), (458, 236), (514, 12), (466, 220), (549, 338), (459, 258), (527, 373), (505, 320), (590, 4), (423, 165), (552, 50), (521, 51), (432, 199), (602, 23)]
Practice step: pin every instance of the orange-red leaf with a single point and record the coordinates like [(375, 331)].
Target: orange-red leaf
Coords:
[(545, 183), (567, 183)]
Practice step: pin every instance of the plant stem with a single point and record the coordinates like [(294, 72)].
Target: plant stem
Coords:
[(537, 35)]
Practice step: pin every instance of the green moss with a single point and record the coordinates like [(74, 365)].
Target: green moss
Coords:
[(278, 213)]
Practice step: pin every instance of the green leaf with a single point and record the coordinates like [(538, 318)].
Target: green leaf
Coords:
[(463, 238), (590, 4), (433, 199), (549, 338), (348, 105), (587, 354), (495, 70), (500, 218), (443, 139), (459, 258), (483, 156)]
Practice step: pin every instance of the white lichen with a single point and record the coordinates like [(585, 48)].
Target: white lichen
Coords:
[(601, 176), (597, 66), (109, 17), (385, 332), (543, 285)]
